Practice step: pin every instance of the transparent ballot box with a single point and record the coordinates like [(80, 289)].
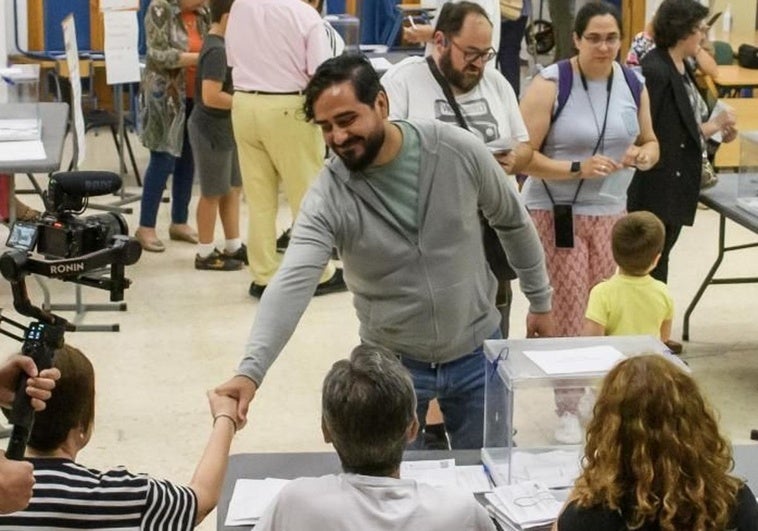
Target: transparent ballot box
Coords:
[(529, 382), (749, 151), (20, 122), (747, 187), (349, 28), (21, 83)]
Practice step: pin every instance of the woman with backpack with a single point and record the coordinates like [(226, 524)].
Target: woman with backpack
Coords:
[(589, 123)]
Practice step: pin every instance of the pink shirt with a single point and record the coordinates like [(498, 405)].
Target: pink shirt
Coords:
[(274, 45)]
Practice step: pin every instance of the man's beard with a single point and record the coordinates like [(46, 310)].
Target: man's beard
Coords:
[(371, 146), (463, 81)]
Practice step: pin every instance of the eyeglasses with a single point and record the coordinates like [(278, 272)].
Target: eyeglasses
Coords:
[(598, 40), (471, 56)]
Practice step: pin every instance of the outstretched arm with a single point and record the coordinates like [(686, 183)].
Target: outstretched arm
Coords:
[(211, 469)]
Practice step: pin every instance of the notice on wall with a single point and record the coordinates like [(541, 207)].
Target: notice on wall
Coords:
[(118, 5), (121, 51), (72, 60)]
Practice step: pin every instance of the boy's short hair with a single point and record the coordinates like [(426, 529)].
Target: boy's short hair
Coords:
[(637, 239)]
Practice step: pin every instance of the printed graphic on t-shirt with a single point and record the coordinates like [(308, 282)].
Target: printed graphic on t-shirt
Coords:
[(478, 115)]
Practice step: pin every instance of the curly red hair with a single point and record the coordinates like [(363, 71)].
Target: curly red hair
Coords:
[(654, 452)]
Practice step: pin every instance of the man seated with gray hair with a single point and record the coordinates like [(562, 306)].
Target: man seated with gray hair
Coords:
[(369, 415)]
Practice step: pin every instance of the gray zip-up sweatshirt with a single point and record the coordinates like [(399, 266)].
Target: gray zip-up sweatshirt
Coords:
[(429, 297)]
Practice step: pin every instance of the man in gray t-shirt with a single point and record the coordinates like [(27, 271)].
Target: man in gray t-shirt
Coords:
[(214, 151)]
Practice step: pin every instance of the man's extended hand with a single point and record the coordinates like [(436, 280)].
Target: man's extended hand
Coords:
[(16, 481), (540, 324), (38, 386), (242, 389)]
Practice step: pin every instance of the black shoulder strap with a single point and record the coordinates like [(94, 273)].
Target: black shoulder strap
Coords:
[(447, 91)]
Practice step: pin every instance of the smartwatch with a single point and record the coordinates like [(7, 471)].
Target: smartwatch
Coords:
[(576, 167)]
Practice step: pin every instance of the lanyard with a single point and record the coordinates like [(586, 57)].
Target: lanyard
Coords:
[(601, 132)]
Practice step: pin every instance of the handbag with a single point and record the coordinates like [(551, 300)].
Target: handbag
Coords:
[(708, 175), (747, 56), (511, 9)]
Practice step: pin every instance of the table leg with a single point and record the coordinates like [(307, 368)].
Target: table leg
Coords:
[(706, 281)]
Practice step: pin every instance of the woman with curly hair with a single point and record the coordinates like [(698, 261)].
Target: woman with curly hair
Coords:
[(654, 458)]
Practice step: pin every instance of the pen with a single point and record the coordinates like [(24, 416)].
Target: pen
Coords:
[(8, 80), (413, 24)]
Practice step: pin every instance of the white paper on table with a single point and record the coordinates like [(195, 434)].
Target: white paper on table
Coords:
[(719, 108), (20, 129), (121, 51), (250, 499), (473, 479), (380, 64), (601, 358), (528, 504), (118, 5), (556, 469), (72, 60), (438, 473), (22, 151)]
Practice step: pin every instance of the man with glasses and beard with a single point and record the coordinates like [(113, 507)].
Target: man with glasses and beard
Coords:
[(399, 202)]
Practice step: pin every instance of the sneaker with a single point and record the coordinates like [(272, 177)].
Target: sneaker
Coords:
[(586, 405), (256, 290), (435, 437), (240, 254), (283, 241), (217, 262), (674, 346), (569, 431), (333, 285)]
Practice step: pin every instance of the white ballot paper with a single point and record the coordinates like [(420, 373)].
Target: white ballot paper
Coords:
[(121, 52), (250, 499), (445, 473), (718, 108), (576, 360), (22, 151)]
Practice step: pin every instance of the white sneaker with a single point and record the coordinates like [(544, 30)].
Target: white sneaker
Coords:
[(569, 431)]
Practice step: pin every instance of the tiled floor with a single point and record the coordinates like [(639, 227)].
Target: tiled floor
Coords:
[(184, 332)]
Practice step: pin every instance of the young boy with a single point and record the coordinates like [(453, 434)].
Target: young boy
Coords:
[(632, 302), (214, 150)]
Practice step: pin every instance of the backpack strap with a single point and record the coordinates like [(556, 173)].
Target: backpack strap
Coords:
[(635, 85), (565, 82)]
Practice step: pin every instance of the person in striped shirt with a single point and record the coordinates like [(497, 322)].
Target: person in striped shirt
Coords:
[(68, 495)]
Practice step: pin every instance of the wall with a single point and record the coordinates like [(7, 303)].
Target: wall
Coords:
[(743, 14)]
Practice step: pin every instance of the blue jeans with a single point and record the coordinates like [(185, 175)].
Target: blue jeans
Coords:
[(162, 165), (508, 60), (458, 386)]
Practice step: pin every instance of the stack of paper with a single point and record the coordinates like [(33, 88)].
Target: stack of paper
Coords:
[(250, 499), (528, 505), (445, 473), (555, 468), (20, 129)]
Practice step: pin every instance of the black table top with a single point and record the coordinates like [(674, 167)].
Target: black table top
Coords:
[(313, 464), (723, 199)]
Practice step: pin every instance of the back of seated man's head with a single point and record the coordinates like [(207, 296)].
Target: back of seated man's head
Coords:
[(71, 406), (369, 411), (637, 242)]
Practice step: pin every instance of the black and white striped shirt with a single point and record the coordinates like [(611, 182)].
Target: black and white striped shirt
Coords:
[(70, 496)]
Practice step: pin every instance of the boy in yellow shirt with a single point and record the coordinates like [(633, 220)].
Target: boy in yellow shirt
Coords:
[(632, 302)]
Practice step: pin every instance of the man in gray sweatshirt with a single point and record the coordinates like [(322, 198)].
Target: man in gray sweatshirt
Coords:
[(399, 202)]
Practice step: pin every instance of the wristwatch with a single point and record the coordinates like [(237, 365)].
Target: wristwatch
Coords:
[(576, 167)]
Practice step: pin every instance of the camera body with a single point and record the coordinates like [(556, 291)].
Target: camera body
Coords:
[(61, 233), (69, 236)]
